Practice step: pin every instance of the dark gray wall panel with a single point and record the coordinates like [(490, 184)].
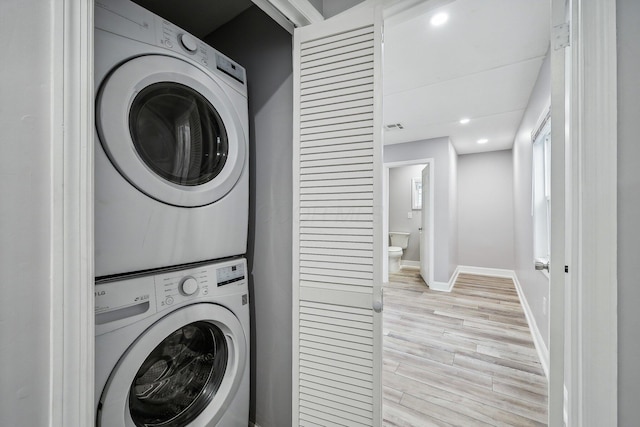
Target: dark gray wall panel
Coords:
[(265, 50)]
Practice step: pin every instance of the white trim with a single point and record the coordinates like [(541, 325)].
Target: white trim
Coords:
[(295, 236), (441, 286), (538, 340), (409, 263), (483, 271), (565, 405), (290, 13), (557, 230), (445, 286), (252, 424), (72, 317), (275, 14), (594, 128)]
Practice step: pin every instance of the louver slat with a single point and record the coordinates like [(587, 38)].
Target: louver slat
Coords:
[(335, 234)]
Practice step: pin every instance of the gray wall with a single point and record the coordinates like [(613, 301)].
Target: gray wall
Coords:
[(334, 7), (400, 206), (439, 150), (485, 210), (265, 50), (628, 15), (25, 217), (535, 285)]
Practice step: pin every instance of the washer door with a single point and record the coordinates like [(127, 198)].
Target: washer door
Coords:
[(184, 369), (170, 130)]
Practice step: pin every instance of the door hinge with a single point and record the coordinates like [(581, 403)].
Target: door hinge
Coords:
[(561, 36)]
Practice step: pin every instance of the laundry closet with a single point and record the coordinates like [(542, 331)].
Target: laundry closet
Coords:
[(183, 229)]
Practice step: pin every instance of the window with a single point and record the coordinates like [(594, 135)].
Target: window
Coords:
[(541, 190)]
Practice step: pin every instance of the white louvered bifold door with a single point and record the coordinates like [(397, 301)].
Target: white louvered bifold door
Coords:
[(337, 338)]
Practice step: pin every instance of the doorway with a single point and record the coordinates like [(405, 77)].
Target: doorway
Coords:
[(419, 222)]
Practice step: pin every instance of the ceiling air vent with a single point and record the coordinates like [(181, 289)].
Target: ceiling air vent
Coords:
[(394, 126)]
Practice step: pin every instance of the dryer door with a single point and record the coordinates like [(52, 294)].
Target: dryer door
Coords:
[(171, 130), (184, 369)]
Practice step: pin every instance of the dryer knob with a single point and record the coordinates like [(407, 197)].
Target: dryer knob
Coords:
[(188, 43), (189, 286)]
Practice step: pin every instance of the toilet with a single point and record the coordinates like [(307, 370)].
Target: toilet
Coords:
[(398, 241)]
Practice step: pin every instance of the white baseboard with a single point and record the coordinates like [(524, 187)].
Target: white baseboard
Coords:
[(440, 286), (538, 341), (483, 271), (252, 424), (445, 286), (407, 263)]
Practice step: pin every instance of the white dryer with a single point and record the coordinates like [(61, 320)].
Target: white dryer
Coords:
[(172, 348), (171, 158)]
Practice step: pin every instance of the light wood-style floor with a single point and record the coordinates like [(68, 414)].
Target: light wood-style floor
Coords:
[(464, 358)]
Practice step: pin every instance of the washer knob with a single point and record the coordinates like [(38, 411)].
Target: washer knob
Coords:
[(189, 286), (188, 42)]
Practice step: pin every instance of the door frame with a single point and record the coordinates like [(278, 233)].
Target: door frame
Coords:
[(591, 395), (385, 213), (593, 124), (72, 332)]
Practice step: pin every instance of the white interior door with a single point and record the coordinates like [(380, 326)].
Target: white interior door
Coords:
[(425, 253), (337, 262), (558, 231)]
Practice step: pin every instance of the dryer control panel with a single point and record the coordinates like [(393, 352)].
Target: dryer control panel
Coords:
[(128, 19)]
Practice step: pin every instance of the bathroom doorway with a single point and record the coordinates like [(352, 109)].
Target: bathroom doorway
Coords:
[(409, 209)]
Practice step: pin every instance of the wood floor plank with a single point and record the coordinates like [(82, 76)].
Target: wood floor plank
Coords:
[(458, 403), (473, 376), (462, 358), (396, 414)]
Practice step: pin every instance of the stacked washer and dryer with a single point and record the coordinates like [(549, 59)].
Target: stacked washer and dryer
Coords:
[(171, 217)]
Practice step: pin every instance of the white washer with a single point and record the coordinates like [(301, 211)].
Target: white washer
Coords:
[(172, 348), (171, 158)]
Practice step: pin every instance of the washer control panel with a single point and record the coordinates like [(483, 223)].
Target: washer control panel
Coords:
[(119, 301), (177, 287), (230, 274)]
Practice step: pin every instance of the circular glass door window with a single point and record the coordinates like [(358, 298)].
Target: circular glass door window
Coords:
[(178, 134), (180, 377)]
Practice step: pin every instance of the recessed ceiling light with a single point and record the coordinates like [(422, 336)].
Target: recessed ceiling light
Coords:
[(483, 141), (464, 121), (439, 19)]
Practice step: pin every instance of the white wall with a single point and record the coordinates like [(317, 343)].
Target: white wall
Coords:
[(444, 224), (265, 50), (25, 224), (628, 15), (453, 210), (535, 285), (400, 206), (485, 210)]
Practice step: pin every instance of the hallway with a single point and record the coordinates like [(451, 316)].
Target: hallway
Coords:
[(461, 358)]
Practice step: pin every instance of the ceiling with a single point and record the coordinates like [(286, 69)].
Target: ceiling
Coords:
[(481, 64)]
